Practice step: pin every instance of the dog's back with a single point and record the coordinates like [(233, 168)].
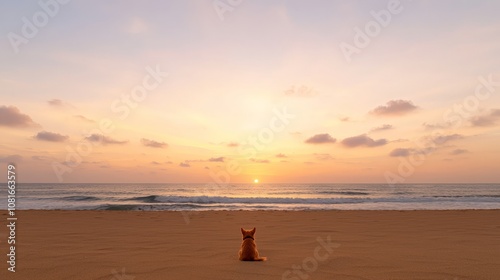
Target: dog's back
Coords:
[(248, 251)]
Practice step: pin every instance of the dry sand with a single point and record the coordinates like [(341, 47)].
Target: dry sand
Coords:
[(445, 245)]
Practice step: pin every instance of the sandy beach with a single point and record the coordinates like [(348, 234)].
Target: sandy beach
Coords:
[(447, 245)]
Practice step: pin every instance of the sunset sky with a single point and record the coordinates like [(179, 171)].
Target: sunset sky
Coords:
[(231, 91)]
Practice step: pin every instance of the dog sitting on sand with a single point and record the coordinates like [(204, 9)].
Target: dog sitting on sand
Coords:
[(248, 251)]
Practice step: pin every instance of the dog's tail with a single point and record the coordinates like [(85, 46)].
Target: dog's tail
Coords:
[(261, 259)]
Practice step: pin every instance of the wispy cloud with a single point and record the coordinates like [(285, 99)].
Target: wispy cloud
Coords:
[(259, 160), (153, 143), (212, 159), (93, 162), (442, 139), (216, 159), (400, 152), (458, 152), (431, 126), (11, 159), (489, 119), (105, 140), (363, 140), (10, 116), (399, 140), (232, 144), (50, 136), (84, 119), (382, 127), (404, 152), (43, 158), (184, 164), (323, 156), (280, 155), (395, 108), (321, 139), (56, 102)]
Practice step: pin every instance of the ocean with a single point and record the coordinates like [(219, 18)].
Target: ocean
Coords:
[(199, 197)]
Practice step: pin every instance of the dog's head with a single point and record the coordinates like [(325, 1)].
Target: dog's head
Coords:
[(248, 233)]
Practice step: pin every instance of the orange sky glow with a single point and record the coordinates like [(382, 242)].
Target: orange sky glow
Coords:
[(174, 92)]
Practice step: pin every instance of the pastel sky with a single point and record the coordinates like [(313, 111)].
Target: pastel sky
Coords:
[(229, 91)]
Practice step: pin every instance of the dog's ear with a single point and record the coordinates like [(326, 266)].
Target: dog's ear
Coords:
[(242, 231)]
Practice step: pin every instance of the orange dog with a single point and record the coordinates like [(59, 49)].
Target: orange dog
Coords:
[(248, 251)]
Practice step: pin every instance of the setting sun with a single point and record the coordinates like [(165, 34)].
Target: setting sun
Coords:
[(256, 181)]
